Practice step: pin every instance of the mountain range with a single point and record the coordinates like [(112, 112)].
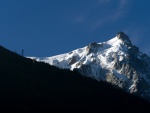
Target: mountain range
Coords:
[(116, 61), (30, 86)]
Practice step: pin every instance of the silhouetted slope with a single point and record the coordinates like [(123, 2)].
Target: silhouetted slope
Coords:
[(30, 86)]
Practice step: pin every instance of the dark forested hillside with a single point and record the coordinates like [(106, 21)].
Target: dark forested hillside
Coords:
[(30, 86)]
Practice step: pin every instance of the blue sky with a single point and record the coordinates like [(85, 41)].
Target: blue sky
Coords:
[(51, 27)]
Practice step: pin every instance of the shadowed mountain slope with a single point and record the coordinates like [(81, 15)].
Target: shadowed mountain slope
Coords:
[(30, 86)]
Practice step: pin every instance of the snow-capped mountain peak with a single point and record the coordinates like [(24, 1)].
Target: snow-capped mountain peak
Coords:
[(116, 61)]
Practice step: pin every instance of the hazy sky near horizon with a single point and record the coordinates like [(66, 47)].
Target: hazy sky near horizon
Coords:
[(50, 27)]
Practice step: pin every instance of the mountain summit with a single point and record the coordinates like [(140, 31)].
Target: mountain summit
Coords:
[(116, 61), (124, 38)]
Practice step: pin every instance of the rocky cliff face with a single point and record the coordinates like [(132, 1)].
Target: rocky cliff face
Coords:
[(116, 61)]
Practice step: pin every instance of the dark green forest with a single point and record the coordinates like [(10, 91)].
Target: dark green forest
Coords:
[(30, 86)]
